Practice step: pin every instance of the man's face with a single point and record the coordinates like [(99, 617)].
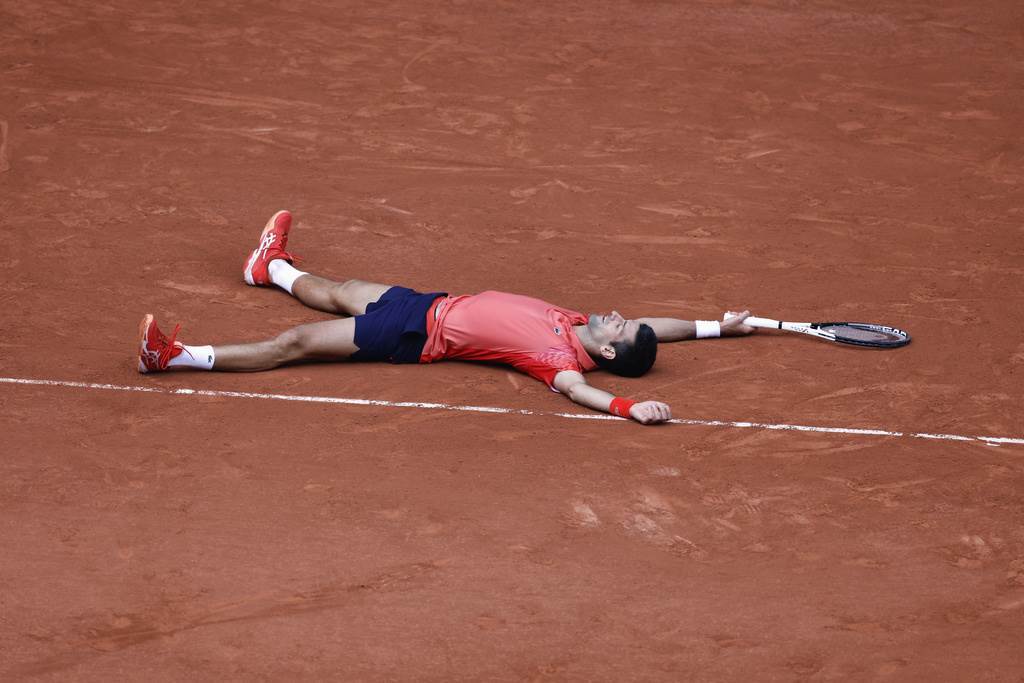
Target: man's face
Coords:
[(612, 327)]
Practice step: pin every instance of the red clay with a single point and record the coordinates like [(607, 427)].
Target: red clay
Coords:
[(810, 160)]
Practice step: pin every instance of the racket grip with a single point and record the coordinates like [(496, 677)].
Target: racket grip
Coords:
[(758, 322), (763, 322)]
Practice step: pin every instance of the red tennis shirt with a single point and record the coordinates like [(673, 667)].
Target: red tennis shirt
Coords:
[(531, 335)]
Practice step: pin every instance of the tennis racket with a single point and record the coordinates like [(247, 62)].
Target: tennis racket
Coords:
[(857, 334)]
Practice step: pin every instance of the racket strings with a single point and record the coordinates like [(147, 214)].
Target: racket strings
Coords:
[(864, 334)]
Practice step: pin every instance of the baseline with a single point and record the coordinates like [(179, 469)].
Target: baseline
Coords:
[(852, 431)]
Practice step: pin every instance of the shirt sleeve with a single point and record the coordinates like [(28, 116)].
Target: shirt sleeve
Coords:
[(544, 366)]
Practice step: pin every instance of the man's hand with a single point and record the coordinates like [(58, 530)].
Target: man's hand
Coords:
[(650, 412), (732, 324)]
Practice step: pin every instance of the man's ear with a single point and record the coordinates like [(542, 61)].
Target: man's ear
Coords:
[(608, 352)]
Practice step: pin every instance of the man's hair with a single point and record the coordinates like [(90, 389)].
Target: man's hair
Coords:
[(632, 360)]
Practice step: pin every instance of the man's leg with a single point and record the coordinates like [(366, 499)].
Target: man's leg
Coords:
[(328, 340), (269, 264), (350, 297)]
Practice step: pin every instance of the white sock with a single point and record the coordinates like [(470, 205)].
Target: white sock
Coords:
[(283, 274), (199, 357)]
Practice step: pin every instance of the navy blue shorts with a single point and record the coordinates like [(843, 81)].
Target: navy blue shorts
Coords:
[(394, 328)]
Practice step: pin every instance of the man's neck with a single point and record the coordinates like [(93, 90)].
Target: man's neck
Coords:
[(586, 340)]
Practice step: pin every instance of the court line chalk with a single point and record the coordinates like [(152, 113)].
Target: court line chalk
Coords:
[(339, 400)]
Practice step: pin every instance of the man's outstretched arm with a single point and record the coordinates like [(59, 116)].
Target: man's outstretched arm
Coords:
[(673, 329), (573, 385)]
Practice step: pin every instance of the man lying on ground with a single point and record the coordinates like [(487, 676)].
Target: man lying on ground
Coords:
[(396, 324)]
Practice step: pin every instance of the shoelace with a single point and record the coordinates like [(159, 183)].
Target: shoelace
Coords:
[(167, 350), (291, 258)]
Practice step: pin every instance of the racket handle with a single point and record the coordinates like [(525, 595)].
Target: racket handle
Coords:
[(763, 322), (759, 322)]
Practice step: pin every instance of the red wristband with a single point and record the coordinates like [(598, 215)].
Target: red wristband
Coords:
[(620, 406)]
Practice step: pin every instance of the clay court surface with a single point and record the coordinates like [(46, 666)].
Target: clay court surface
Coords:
[(840, 160)]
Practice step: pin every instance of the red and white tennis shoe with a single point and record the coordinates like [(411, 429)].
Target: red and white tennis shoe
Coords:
[(155, 349), (273, 241)]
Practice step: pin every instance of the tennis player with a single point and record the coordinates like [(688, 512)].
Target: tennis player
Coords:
[(396, 324)]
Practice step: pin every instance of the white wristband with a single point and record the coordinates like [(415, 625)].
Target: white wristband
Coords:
[(708, 328)]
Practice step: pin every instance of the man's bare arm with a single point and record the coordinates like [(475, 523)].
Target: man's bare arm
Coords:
[(674, 329), (671, 329), (573, 385)]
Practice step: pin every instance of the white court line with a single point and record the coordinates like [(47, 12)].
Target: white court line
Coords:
[(989, 440)]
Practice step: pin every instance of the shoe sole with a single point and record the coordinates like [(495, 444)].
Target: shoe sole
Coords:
[(143, 328), (247, 273)]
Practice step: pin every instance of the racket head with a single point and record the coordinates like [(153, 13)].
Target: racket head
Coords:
[(866, 334)]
